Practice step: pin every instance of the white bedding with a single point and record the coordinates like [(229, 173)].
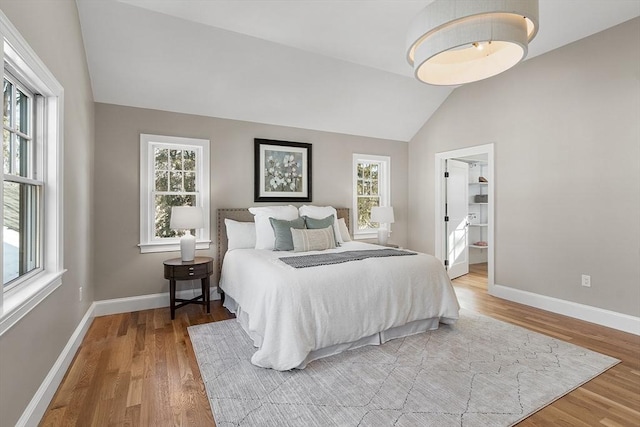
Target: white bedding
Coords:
[(291, 312)]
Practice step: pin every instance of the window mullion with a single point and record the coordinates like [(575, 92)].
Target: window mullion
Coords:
[(12, 134), (17, 132), (23, 180)]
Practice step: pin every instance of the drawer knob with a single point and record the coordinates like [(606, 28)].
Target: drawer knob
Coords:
[(191, 274), (190, 268)]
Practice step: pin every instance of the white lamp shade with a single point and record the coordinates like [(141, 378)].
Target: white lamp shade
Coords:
[(186, 217), (382, 214)]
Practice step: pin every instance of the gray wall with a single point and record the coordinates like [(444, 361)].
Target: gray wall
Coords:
[(120, 269), (30, 348), (566, 128)]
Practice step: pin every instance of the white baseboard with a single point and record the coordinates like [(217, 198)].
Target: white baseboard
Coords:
[(36, 408), (145, 302), (608, 318)]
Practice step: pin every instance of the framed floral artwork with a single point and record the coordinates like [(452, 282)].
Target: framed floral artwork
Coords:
[(282, 171)]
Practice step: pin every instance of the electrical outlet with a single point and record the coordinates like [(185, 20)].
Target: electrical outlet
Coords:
[(586, 281), (80, 294)]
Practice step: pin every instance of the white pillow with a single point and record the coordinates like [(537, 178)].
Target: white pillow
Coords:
[(320, 212), (344, 231), (240, 235), (265, 238)]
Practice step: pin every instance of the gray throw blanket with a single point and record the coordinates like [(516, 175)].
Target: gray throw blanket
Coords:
[(330, 258)]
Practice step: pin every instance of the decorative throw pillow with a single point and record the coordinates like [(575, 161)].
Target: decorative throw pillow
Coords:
[(282, 232), (319, 212), (313, 240), (314, 224), (265, 239), (240, 235), (344, 231)]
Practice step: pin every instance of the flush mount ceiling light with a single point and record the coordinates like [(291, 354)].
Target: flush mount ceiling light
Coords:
[(452, 42)]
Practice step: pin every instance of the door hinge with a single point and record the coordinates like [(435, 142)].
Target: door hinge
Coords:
[(446, 174), (446, 262), (446, 219)]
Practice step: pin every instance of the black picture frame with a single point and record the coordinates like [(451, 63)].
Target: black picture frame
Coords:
[(282, 171)]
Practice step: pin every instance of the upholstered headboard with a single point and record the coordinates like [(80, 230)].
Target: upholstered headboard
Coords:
[(243, 215)]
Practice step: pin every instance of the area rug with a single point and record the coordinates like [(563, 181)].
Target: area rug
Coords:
[(478, 372)]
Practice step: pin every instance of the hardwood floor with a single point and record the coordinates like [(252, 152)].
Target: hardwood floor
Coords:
[(139, 369)]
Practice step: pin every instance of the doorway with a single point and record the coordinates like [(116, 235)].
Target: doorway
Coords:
[(464, 212)]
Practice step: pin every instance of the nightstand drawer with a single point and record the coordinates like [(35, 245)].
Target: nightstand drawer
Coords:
[(186, 272), (189, 270)]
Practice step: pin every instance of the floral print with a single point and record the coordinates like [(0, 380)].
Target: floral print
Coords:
[(283, 171)]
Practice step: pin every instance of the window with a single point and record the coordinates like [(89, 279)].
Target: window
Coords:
[(173, 172), (31, 192), (22, 191), (371, 187)]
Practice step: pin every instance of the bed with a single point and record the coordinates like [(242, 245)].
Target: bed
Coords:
[(297, 315)]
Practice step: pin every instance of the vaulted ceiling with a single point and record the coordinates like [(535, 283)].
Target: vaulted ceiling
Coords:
[(329, 65)]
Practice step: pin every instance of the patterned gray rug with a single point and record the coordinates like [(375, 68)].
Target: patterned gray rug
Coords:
[(478, 372)]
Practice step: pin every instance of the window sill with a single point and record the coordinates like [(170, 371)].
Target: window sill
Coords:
[(18, 302), (146, 248), (366, 236)]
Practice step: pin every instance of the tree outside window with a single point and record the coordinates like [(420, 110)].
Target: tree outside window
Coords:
[(368, 193), (175, 185), (371, 188)]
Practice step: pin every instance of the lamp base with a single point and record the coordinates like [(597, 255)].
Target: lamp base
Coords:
[(383, 235), (188, 247)]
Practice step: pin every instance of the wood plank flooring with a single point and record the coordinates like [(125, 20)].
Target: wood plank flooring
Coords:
[(139, 369)]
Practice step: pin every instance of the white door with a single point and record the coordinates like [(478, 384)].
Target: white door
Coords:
[(457, 212)]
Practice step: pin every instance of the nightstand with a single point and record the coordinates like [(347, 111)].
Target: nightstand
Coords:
[(390, 245), (200, 268)]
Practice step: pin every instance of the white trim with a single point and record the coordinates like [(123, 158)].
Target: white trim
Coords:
[(22, 299), (439, 170), (36, 408), (28, 68), (608, 318), (170, 247), (146, 302), (148, 243), (28, 58)]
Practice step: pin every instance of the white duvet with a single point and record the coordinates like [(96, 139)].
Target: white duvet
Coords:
[(291, 312)]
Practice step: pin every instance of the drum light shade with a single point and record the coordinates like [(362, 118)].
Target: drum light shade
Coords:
[(452, 42)]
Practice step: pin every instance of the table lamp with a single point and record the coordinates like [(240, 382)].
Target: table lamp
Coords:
[(383, 215), (187, 218)]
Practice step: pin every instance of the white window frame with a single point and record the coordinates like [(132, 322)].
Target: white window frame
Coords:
[(34, 167), (25, 65), (384, 188), (148, 242)]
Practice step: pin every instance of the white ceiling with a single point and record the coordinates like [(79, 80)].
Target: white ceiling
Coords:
[(330, 65)]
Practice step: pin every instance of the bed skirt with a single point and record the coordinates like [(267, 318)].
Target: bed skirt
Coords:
[(410, 328)]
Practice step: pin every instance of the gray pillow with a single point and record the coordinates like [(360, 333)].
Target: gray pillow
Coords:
[(315, 224), (282, 232)]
